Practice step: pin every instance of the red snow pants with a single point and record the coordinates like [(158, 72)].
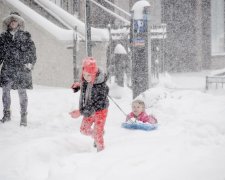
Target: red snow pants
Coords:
[(98, 119)]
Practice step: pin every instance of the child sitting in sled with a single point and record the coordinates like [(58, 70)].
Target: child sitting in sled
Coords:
[(138, 114)]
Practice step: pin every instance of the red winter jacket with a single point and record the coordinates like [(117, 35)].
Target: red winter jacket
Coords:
[(143, 117)]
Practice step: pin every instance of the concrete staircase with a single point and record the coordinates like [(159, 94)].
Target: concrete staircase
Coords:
[(40, 10)]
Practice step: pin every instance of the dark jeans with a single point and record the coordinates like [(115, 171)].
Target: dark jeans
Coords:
[(6, 98)]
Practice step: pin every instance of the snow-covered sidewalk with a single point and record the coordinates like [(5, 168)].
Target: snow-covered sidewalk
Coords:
[(189, 143)]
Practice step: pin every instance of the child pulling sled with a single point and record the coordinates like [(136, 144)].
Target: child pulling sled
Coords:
[(93, 104)]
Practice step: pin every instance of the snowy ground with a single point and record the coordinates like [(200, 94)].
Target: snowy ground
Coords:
[(188, 145)]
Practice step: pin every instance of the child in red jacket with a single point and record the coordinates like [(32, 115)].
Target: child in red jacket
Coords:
[(138, 113), (93, 103)]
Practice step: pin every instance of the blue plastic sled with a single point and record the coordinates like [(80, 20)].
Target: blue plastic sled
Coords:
[(141, 126)]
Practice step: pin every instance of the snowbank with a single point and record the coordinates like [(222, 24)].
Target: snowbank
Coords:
[(189, 142)]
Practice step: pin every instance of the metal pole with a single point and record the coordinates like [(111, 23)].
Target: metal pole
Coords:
[(88, 28), (164, 48), (149, 50), (141, 52), (75, 72), (109, 58)]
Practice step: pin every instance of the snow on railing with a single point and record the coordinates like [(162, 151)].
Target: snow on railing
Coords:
[(59, 33), (216, 77), (157, 32), (118, 8), (97, 33), (111, 12)]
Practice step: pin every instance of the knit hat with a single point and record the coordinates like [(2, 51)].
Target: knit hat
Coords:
[(90, 66), (14, 16)]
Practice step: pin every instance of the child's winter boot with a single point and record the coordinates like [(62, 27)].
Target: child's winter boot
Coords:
[(100, 148), (6, 116), (23, 121), (95, 145)]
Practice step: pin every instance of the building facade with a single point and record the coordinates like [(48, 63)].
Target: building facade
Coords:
[(195, 29), (195, 36)]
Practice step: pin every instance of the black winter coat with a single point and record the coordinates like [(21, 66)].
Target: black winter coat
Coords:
[(14, 54), (98, 100)]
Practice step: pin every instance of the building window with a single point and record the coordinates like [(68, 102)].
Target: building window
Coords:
[(217, 14)]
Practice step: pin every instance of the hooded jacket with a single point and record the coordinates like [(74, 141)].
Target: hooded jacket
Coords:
[(16, 50), (97, 99)]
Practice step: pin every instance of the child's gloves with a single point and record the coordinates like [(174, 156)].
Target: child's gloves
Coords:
[(76, 87), (129, 116), (152, 119), (130, 119), (75, 114)]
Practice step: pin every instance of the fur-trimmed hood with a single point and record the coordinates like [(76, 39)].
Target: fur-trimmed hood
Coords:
[(100, 78), (10, 18)]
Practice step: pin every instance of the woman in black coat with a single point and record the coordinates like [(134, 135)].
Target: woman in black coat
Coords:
[(17, 56)]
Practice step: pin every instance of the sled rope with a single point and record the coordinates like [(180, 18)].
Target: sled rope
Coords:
[(117, 106)]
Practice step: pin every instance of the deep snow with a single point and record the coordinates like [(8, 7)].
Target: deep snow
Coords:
[(188, 145)]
